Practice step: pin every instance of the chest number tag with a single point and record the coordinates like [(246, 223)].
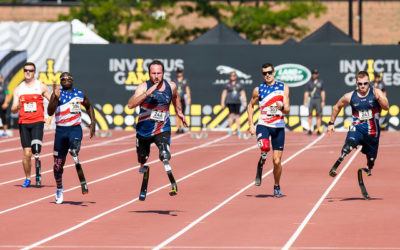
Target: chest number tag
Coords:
[(272, 110), (365, 115), (30, 107), (158, 115), (75, 108)]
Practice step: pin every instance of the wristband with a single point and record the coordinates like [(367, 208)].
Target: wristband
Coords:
[(331, 123)]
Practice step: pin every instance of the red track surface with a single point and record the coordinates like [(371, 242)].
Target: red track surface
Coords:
[(217, 206)]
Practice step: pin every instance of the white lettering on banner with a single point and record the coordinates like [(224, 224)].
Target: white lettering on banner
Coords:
[(133, 71), (390, 69)]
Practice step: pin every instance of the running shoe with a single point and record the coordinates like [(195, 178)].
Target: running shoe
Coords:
[(59, 195), (3, 135), (277, 192), (26, 184), (309, 132)]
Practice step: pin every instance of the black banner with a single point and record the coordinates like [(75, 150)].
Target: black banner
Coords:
[(109, 74)]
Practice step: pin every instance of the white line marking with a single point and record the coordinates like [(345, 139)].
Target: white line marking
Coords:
[(15, 138), (290, 242), (131, 201), (109, 176), (191, 225), (90, 160), (199, 247), (83, 147)]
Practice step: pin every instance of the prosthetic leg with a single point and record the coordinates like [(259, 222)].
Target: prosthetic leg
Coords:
[(36, 149), (165, 156), (347, 148), (145, 170), (370, 164), (74, 150), (263, 144), (260, 165)]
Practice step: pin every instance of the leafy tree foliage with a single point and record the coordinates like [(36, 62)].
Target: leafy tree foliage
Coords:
[(122, 20)]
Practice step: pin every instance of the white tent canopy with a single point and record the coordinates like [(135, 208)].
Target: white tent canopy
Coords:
[(81, 34)]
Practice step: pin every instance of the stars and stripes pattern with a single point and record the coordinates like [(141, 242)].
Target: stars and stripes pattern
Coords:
[(158, 100), (366, 104), (268, 96), (68, 100)]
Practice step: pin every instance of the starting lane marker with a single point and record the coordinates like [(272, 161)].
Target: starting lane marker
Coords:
[(296, 234), (198, 220)]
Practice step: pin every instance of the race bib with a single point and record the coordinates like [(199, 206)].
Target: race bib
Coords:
[(365, 115), (75, 108), (30, 107), (158, 115), (272, 110)]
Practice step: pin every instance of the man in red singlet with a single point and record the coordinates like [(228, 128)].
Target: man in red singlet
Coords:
[(28, 101)]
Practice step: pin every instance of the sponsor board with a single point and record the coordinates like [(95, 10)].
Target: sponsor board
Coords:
[(294, 75)]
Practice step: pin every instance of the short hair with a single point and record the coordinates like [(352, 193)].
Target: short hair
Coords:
[(179, 70), (30, 64), (266, 65), (157, 62), (362, 74)]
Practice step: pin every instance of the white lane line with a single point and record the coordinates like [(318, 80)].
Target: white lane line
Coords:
[(83, 147), (131, 201), (296, 234), (191, 225), (83, 162), (15, 138), (112, 175)]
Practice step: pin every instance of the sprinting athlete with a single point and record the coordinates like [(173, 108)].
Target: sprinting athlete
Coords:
[(154, 98), (366, 104), (273, 99), (28, 100), (66, 104)]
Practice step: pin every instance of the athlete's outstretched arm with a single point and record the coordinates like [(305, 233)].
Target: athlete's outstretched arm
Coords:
[(286, 101), (16, 103), (250, 110), (176, 101), (55, 96), (343, 101), (90, 112), (381, 98)]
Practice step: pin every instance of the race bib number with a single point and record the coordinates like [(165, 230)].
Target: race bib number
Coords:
[(365, 115), (158, 115), (272, 110), (30, 107), (75, 108)]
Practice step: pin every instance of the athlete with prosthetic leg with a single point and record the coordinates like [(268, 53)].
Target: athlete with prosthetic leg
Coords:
[(273, 99), (28, 100), (154, 98), (66, 104), (366, 104)]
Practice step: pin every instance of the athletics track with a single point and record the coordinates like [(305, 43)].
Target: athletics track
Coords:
[(217, 206)]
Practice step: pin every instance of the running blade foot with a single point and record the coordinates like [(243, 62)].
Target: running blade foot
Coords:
[(333, 173)]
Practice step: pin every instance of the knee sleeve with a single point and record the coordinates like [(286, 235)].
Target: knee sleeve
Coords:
[(58, 167), (348, 146), (263, 144), (75, 148), (36, 146), (164, 152), (370, 162)]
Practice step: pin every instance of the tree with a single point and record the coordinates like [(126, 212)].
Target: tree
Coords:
[(253, 19), (122, 20)]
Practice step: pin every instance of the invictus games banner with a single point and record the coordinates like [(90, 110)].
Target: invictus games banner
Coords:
[(109, 75)]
